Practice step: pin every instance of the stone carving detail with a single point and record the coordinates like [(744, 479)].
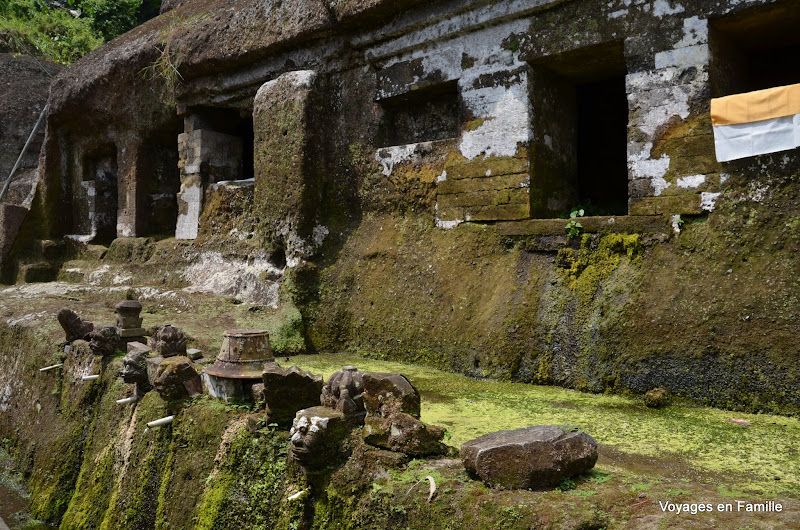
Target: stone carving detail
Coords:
[(104, 341), (169, 341), (316, 437), (392, 422), (129, 323), (383, 391), (134, 368), (343, 392), (287, 390), (176, 378), (74, 326), (532, 457)]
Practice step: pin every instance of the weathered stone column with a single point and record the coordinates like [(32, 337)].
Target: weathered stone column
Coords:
[(205, 156), (285, 188)]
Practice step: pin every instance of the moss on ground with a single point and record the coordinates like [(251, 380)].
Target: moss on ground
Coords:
[(697, 441)]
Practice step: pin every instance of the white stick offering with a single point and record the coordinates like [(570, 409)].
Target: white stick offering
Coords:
[(162, 421), (90, 377), (127, 401), (46, 368)]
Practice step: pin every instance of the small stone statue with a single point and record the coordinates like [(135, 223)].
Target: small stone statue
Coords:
[(134, 370), (104, 341), (129, 323), (343, 392), (169, 341), (74, 326), (316, 437)]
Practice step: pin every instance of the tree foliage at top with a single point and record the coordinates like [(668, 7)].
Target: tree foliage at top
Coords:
[(64, 33)]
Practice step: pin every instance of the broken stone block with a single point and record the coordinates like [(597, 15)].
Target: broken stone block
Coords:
[(259, 395), (176, 378), (169, 341), (287, 390), (194, 353), (383, 390), (104, 341), (316, 437), (343, 392), (74, 326), (531, 457), (403, 433)]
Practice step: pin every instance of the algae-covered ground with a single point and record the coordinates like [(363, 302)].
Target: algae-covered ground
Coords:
[(680, 441)]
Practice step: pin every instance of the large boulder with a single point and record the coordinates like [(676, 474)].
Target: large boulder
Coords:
[(531, 457), (383, 390), (287, 390)]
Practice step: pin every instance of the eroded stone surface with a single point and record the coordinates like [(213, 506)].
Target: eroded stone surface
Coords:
[(169, 341), (287, 390), (383, 389), (343, 392), (74, 326), (404, 433), (176, 378), (104, 340), (316, 436), (531, 457)]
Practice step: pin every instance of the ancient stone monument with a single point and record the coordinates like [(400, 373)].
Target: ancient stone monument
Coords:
[(287, 390), (343, 392), (104, 340), (239, 364), (316, 437), (531, 457), (74, 326), (176, 378), (129, 323), (392, 422), (169, 341), (134, 368)]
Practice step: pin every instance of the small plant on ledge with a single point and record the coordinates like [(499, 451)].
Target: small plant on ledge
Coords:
[(573, 227)]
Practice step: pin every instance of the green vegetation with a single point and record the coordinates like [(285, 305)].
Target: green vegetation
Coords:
[(697, 441), (573, 227), (64, 35)]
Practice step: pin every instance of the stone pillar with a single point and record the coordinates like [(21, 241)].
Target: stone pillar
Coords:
[(127, 189), (11, 218), (286, 195), (205, 156)]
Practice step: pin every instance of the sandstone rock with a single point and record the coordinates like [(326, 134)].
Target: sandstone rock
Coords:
[(175, 378), (531, 457), (74, 326), (288, 390), (381, 390), (403, 433)]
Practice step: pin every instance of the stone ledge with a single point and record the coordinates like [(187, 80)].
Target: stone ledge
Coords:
[(621, 223)]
